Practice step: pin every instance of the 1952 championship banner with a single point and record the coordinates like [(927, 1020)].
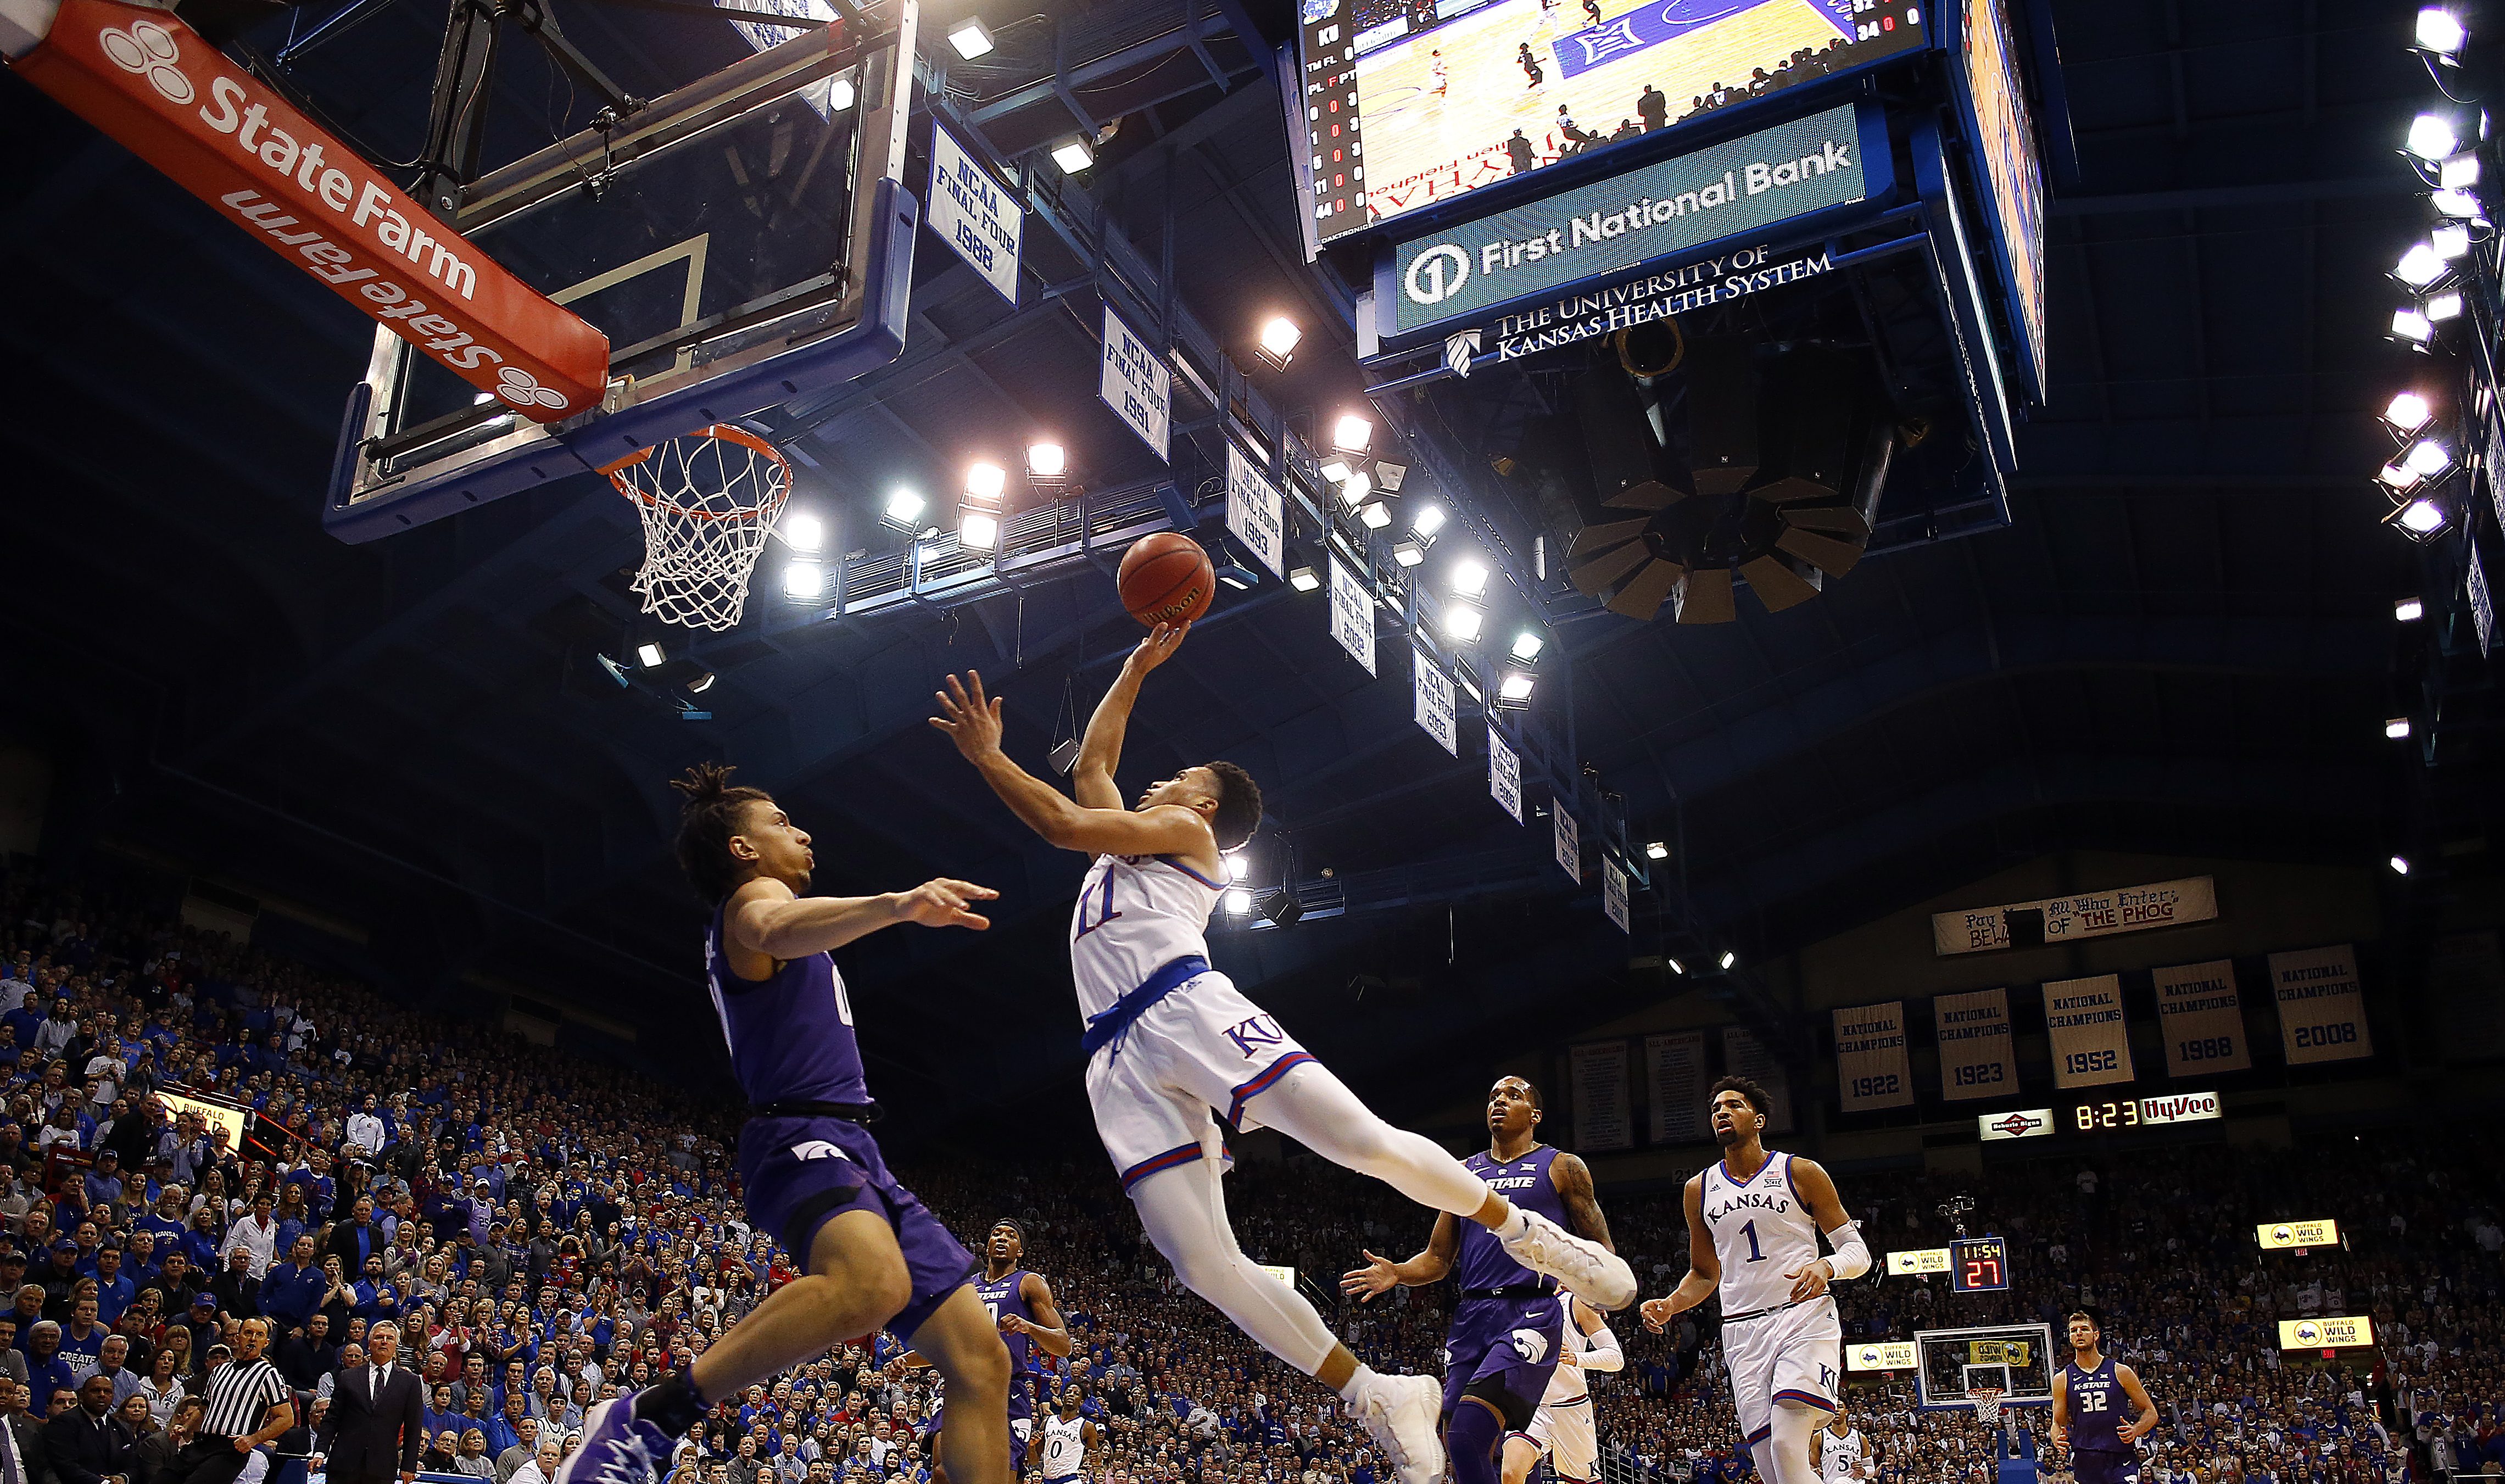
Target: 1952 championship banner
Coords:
[(1977, 1058), (2091, 1041), (161, 90), (2321, 1005), (1871, 1070), (2089, 914)]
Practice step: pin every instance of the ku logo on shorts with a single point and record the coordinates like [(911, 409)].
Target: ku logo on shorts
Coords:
[(1252, 1036)]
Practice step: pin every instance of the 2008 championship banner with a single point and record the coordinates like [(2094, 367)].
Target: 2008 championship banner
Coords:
[(2321, 1005)]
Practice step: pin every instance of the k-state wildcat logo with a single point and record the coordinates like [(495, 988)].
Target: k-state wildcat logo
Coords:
[(816, 1149)]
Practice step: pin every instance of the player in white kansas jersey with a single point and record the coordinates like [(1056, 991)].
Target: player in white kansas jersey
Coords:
[(1843, 1453), (1564, 1428), (1067, 1438), (1752, 1224), (1169, 1040)]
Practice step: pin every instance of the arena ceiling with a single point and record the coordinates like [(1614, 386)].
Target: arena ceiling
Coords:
[(2183, 644)]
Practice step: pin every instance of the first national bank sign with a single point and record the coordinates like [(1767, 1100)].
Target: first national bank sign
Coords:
[(1741, 187)]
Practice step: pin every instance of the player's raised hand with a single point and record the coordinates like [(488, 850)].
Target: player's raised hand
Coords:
[(971, 719), (1156, 649), (1810, 1279), (944, 902), (1365, 1282)]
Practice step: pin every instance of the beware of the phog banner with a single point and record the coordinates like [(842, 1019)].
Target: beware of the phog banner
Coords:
[(1734, 189)]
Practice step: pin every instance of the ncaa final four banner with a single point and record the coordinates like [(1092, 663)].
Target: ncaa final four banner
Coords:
[(2091, 1041), (2202, 1018), (1977, 1058), (1256, 511), (1603, 1114), (1744, 1055), (1674, 1074), (1871, 1070), (2321, 1005)]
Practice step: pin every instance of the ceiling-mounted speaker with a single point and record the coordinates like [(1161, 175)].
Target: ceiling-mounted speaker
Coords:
[(1703, 595), (1722, 403), (1641, 596), (1624, 460)]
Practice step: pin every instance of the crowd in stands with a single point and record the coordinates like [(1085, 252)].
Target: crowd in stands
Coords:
[(549, 1231)]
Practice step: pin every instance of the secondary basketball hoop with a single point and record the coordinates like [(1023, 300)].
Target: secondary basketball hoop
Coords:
[(708, 500), (1987, 1407)]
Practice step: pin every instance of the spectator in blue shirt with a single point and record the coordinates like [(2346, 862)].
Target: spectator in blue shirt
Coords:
[(104, 1182), (113, 1291)]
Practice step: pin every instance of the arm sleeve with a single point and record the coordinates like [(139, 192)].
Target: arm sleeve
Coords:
[(1602, 1352), (1852, 1259)]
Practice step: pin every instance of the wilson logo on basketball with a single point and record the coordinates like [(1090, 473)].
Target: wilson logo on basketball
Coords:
[(1181, 603)]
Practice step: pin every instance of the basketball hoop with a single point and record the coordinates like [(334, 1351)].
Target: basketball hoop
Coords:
[(708, 500), (1987, 1407)]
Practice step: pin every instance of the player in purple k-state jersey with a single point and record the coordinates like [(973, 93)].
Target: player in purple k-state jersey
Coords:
[(1171, 1044), (1020, 1301), (1508, 1324), (2088, 1412), (872, 1255)]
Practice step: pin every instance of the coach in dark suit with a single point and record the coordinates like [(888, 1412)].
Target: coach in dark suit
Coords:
[(376, 1425), (88, 1444)]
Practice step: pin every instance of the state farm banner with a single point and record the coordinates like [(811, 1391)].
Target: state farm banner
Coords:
[(1675, 1073), (161, 91), (2091, 1042), (2202, 1018), (1604, 1115), (1744, 1055), (2321, 1005), (2088, 914), (1871, 1070), (1977, 1056)]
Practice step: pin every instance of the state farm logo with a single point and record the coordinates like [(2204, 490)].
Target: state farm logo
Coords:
[(146, 49), (522, 389)]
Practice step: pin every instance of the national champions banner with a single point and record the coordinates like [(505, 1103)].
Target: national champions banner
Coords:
[(1603, 1114), (2090, 1039), (1744, 1055), (2321, 1005), (1675, 1073), (1977, 1057), (1871, 1068), (2202, 1018)]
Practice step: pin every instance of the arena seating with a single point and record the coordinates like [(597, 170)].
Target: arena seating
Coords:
[(548, 1228)]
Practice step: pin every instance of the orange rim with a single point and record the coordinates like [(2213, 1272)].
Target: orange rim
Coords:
[(722, 431)]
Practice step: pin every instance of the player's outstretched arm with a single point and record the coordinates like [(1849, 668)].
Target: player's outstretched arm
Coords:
[(1381, 1275), (764, 917), (1604, 1353), (1704, 1266), (1100, 751), (973, 721)]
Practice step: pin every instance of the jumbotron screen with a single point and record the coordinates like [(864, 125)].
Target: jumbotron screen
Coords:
[(1412, 102)]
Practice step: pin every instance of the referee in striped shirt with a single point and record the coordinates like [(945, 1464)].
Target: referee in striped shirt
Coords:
[(249, 1404)]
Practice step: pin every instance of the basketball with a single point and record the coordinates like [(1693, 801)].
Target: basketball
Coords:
[(1165, 577)]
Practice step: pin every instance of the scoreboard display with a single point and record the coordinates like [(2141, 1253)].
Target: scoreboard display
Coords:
[(1978, 1266)]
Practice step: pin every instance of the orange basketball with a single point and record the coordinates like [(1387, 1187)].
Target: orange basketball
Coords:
[(1166, 578)]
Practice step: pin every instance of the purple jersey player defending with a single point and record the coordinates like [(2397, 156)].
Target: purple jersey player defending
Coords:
[(872, 1255), (2088, 1418), (1171, 1044), (1509, 1326), (1021, 1303)]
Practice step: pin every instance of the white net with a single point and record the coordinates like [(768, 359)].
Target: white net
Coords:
[(708, 501), (1987, 1407)]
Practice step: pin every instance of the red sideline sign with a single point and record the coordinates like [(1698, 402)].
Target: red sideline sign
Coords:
[(156, 88)]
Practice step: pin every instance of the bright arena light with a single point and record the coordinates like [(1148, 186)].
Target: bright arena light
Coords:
[(971, 38), (1278, 337), (2431, 136), (1047, 461), (1238, 901), (803, 532), (1351, 433), (1516, 687), (2420, 266), (1428, 519), (2429, 458), (650, 655), (2397, 727), (1375, 517), (2440, 31), (1237, 866), (1658, 850), (1527, 646), (2400, 865), (2408, 610), (2422, 517), (987, 479), (977, 532), (1469, 576), (803, 579), (1462, 621), (905, 508), (2409, 411), (1072, 156), (2412, 325)]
